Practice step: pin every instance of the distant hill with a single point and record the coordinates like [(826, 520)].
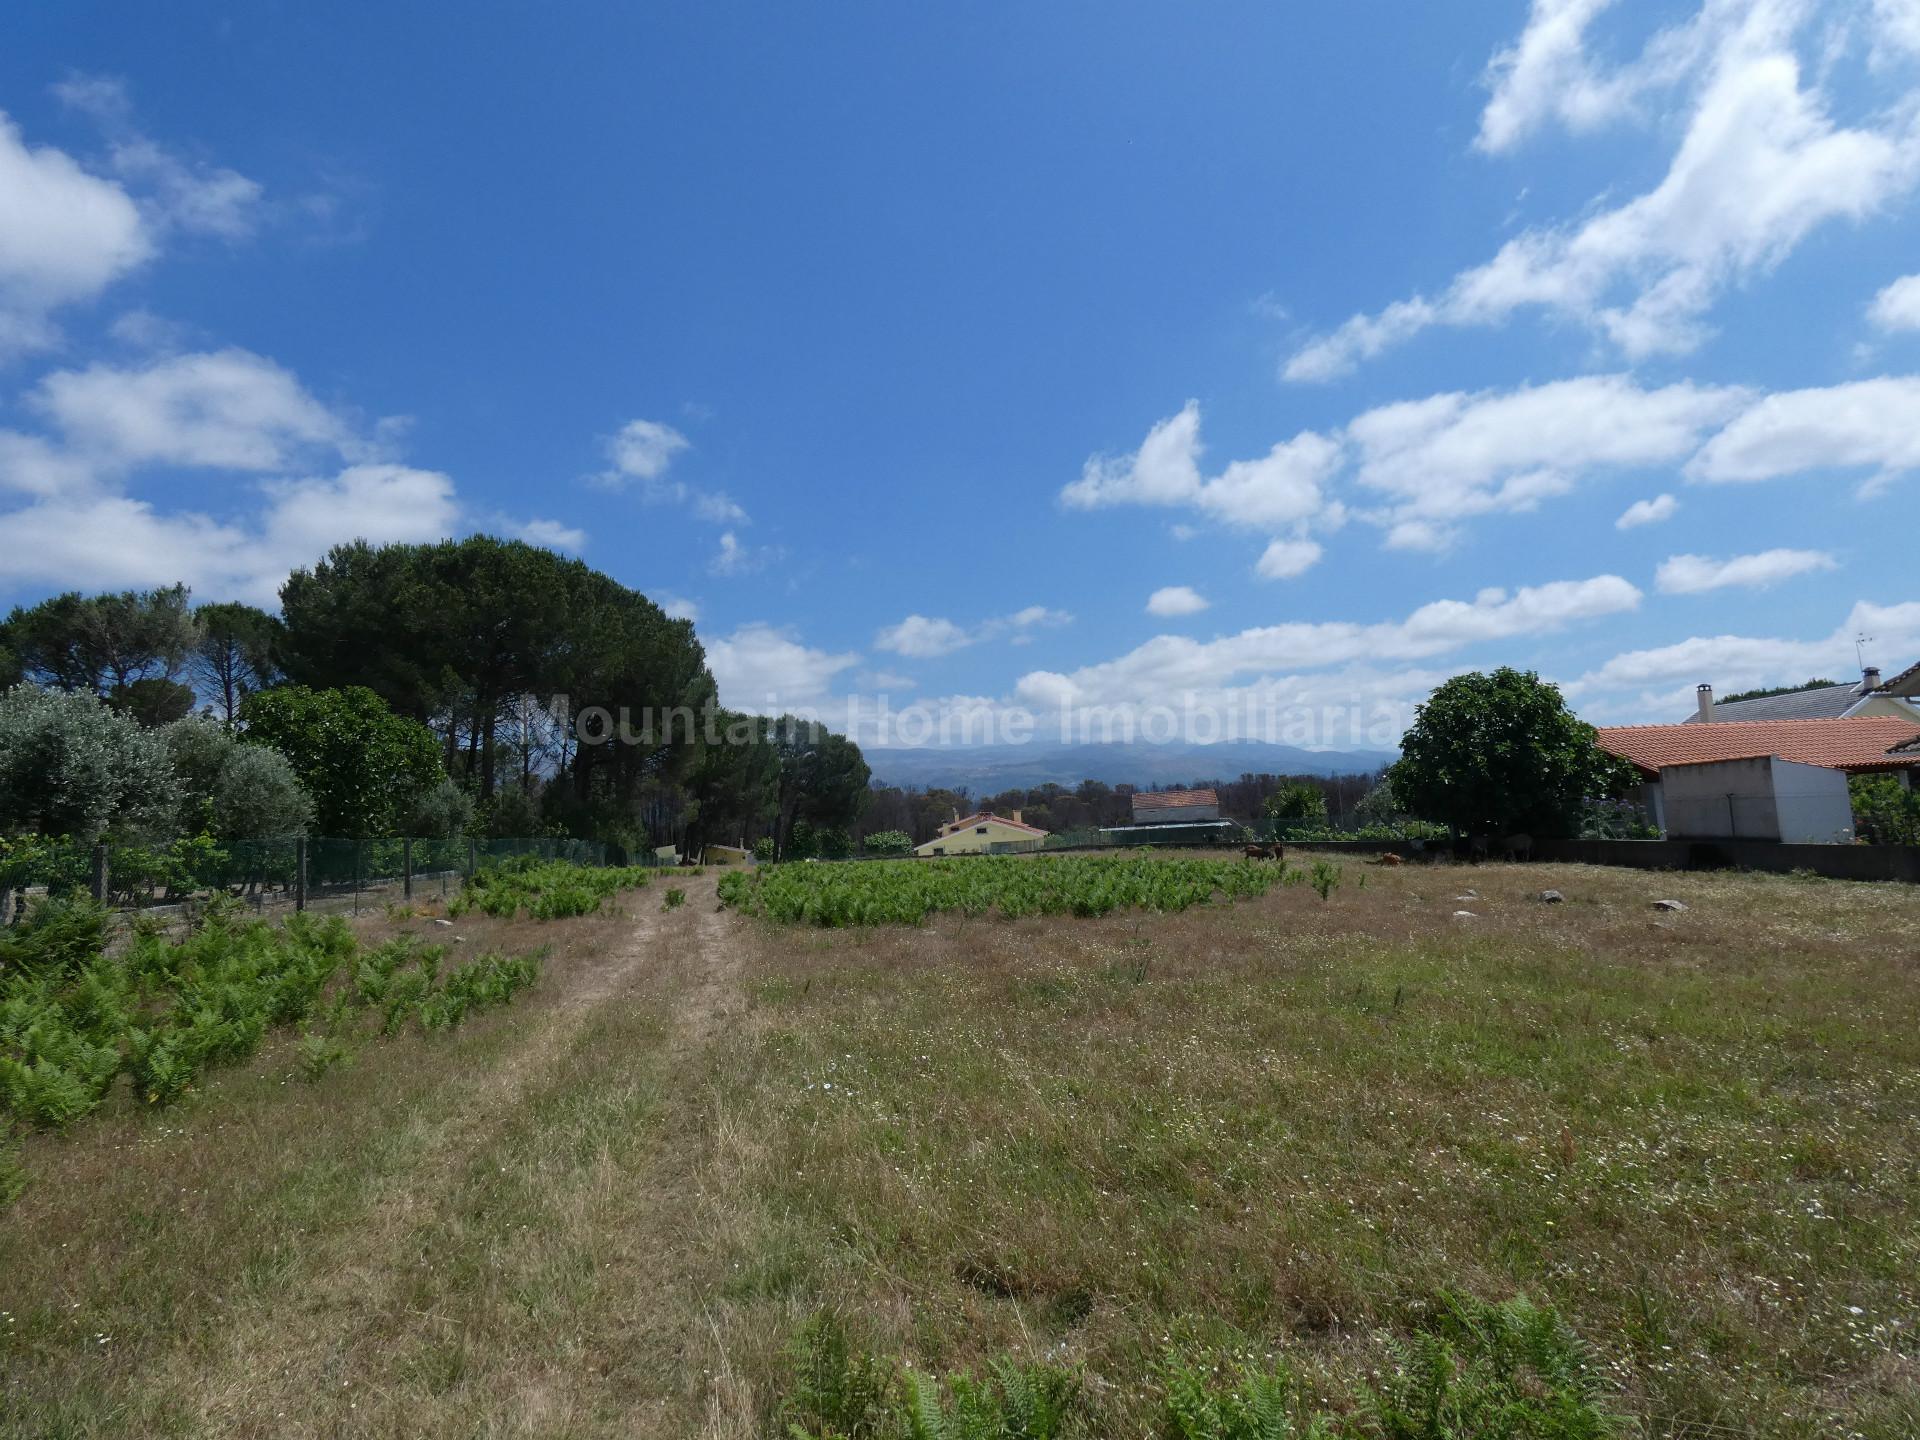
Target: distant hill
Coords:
[(985, 769)]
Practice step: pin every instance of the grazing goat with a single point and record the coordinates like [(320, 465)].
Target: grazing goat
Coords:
[(1478, 847), (1275, 851), (1517, 847)]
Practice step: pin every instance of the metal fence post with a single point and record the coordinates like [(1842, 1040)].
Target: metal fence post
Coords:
[(406, 869), (356, 874), (473, 856), (98, 881), (300, 874)]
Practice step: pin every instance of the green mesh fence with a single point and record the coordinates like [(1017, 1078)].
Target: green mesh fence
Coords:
[(268, 871)]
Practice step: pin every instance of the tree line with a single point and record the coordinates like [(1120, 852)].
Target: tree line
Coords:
[(479, 682)]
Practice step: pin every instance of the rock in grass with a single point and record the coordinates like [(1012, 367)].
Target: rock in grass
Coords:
[(1550, 897), (1668, 905), (1465, 915)]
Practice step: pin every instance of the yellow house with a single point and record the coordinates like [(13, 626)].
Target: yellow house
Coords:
[(977, 834)]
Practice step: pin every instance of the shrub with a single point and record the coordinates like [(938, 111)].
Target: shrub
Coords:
[(71, 766), (888, 842), (543, 889), (444, 812), (673, 899), (1325, 878)]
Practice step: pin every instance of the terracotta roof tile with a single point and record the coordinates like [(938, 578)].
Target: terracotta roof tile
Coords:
[(1172, 799), (1861, 743), (980, 817)]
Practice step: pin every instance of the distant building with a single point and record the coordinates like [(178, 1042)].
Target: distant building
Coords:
[(1864, 698), (1174, 807), (1699, 777), (982, 834)]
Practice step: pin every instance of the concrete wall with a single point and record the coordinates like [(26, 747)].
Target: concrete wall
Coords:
[(1836, 862), (1173, 814), (1757, 799)]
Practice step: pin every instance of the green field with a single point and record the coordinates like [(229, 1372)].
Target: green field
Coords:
[(716, 1173)]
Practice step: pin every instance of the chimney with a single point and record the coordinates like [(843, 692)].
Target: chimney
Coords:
[(1016, 818), (1870, 680), (1705, 695)]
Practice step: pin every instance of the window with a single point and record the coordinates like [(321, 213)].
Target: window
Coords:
[(979, 829)]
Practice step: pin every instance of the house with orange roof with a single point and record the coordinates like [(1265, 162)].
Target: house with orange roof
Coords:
[(983, 833), (1762, 779)]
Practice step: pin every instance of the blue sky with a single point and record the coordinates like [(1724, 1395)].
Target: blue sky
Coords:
[(1267, 360)]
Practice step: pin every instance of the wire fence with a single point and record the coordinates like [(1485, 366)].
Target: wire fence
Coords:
[(329, 872)]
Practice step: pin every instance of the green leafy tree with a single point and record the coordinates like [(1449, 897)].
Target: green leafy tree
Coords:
[(231, 789), (1885, 812), (823, 778), (258, 797), (1500, 753), (107, 644), (71, 766), (444, 811), (733, 788), (235, 654), (1299, 802), (152, 701), (365, 767), (888, 842)]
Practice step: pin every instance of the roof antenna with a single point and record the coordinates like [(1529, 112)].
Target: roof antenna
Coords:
[(1860, 643)]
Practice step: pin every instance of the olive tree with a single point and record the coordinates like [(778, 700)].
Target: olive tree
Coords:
[(231, 789), (69, 765)]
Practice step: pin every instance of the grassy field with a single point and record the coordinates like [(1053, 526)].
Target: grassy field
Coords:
[(1283, 1127)]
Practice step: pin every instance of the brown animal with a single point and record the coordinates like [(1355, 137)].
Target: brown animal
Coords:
[(1517, 847), (1389, 858), (1478, 846), (1260, 852)]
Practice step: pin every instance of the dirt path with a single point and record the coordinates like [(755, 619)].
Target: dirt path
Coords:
[(370, 1288)]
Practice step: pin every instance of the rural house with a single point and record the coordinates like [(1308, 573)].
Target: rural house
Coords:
[(983, 833), (1173, 807), (1866, 697), (1761, 780)]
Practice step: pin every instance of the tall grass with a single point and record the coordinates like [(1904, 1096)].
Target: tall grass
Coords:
[(543, 889), (881, 893), (75, 1019)]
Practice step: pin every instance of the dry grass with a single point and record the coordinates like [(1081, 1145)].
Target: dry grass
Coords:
[(1280, 1127)]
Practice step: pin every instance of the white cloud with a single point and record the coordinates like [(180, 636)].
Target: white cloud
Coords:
[(734, 557), (1171, 664), (1867, 423), (1024, 622), (1760, 166), (1283, 487), (1736, 662), (1286, 559), (175, 193), (1896, 29), (643, 449), (1176, 600), (923, 637), (29, 463), (1448, 457), (1898, 306), (105, 541), (1546, 74), (1647, 512), (228, 410), (762, 669), (677, 607), (1692, 574), (552, 534), (65, 235)]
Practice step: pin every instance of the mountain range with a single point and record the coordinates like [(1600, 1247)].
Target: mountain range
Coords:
[(988, 769)]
